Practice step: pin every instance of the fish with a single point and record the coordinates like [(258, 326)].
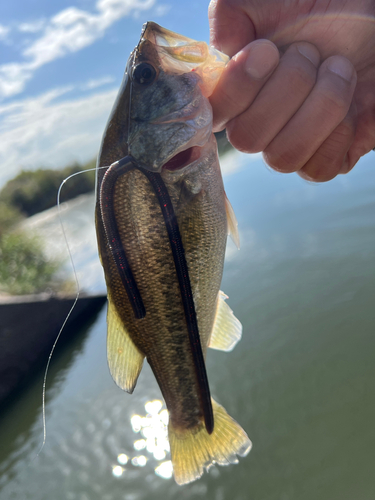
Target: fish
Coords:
[(162, 221)]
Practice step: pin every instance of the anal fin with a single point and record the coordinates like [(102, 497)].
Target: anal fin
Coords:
[(227, 329), (125, 360)]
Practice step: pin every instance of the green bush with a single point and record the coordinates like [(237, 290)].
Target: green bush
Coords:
[(23, 266), (9, 216), (34, 191)]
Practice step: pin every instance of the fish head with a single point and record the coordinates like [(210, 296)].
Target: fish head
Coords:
[(169, 80)]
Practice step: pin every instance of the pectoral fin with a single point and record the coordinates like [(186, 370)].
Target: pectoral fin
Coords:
[(124, 358), (227, 330), (232, 223)]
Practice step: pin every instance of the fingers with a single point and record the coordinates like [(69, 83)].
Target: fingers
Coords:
[(230, 27), (296, 112), (244, 76), (278, 100), (331, 158), (319, 116)]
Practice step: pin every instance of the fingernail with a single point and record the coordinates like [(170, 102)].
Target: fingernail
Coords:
[(261, 60), (310, 52), (342, 67)]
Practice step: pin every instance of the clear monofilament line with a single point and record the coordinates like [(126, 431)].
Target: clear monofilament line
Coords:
[(71, 309)]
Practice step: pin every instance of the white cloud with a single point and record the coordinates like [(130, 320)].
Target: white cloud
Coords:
[(233, 161), (162, 10), (4, 30), (51, 132), (98, 82), (13, 77), (68, 31), (32, 27)]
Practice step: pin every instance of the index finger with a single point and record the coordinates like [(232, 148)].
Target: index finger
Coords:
[(242, 79)]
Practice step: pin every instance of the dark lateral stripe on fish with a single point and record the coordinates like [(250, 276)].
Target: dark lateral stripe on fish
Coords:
[(186, 292), (107, 209), (109, 222)]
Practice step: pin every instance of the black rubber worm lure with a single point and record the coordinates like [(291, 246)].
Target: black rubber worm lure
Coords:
[(109, 222)]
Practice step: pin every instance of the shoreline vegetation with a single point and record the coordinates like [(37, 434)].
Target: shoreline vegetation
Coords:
[(24, 268), (33, 191)]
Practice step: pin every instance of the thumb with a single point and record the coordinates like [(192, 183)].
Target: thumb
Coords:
[(230, 27)]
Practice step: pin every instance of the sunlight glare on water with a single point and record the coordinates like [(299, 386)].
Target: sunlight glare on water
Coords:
[(300, 382), (165, 470), (123, 459), (140, 461), (117, 470), (154, 429)]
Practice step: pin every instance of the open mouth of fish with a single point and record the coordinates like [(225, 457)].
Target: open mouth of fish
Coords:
[(179, 55), (168, 133), (182, 159), (116, 170)]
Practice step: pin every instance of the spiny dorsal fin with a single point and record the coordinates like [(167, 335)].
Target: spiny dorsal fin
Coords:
[(232, 223), (124, 358), (227, 329)]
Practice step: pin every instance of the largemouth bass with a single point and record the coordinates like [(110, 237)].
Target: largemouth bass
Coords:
[(162, 220)]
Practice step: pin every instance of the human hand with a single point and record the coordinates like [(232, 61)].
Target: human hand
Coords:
[(311, 111)]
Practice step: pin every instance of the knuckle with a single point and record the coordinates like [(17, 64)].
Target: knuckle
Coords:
[(324, 165), (281, 161), (226, 105), (326, 161), (346, 129), (334, 104), (239, 140), (231, 100), (301, 77), (320, 172), (244, 137), (337, 142)]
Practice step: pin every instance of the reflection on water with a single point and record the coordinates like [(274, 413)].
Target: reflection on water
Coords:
[(153, 427), (300, 382)]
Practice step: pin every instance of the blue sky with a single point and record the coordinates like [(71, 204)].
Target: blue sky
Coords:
[(61, 63)]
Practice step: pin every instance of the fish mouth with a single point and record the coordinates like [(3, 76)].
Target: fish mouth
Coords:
[(183, 158)]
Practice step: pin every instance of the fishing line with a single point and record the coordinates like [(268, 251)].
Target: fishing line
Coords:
[(76, 283), (71, 309)]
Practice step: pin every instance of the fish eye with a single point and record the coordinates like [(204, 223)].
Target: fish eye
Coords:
[(144, 73)]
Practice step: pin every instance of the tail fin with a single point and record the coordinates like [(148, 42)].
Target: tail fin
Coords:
[(195, 450)]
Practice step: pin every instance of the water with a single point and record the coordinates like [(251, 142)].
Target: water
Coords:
[(300, 382)]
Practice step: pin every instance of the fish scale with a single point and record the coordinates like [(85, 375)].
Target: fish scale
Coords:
[(172, 221), (142, 227)]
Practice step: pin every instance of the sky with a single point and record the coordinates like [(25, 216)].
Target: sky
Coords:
[(61, 64)]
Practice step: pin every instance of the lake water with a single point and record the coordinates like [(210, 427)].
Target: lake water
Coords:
[(301, 381)]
